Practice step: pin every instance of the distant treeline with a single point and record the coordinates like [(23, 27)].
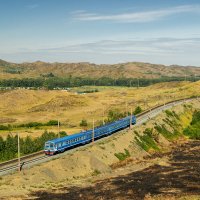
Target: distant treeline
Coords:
[(57, 82), (29, 125)]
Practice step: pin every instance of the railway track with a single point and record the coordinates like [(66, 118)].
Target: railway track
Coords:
[(39, 157)]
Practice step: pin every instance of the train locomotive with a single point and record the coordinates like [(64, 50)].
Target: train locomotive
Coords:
[(61, 144)]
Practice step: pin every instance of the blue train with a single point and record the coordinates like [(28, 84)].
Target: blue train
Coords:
[(61, 144)]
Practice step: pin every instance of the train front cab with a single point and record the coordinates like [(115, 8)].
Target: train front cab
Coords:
[(49, 148), (133, 119)]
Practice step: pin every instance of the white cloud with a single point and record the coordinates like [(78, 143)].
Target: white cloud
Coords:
[(150, 46), (183, 51), (146, 16)]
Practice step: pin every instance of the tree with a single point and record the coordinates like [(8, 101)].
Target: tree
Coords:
[(138, 110), (83, 123)]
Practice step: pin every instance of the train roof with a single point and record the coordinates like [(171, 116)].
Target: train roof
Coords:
[(68, 137), (57, 140)]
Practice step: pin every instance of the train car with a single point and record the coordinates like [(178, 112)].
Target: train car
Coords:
[(61, 144)]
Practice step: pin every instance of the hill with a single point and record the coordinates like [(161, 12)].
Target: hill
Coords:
[(97, 172), (71, 107), (126, 70)]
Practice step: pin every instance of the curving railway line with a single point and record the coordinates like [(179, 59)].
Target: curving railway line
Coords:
[(39, 157)]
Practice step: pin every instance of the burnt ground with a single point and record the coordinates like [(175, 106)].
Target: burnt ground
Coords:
[(180, 178)]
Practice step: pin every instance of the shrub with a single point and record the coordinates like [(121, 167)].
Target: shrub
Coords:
[(195, 118), (122, 156), (115, 114), (4, 127), (193, 131), (169, 113), (52, 123), (62, 133), (137, 110), (83, 123), (147, 140), (96, 172), (166, 133)]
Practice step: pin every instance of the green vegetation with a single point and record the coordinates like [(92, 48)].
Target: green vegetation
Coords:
[(29, 125), (5, 127), (171, 114), (166, 133), (147, 141), (123, 156), (114, 115), (193, 131), (138, 110), (50, 81), (8, 147), (89, 91), (96, 172), (84, 123)]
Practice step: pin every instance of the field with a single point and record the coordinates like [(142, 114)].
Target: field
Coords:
[(95, 172), (69, 107)]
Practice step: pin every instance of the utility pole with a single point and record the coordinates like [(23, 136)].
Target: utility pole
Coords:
[(103, 115), (131, 118), (126, 109), (93, 132), (58, 128), (19, 165)]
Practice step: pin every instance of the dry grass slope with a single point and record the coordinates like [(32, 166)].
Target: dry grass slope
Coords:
[(127, 70), (23, 106)]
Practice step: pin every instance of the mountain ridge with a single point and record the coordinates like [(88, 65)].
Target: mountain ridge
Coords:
[(86, 69)]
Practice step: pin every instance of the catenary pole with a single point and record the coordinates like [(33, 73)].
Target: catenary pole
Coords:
[(103, 115), (58, 128), (93, 132), (18, 144), (131, 118)]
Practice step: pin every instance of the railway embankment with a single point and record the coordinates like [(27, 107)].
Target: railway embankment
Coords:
[(130, 150)]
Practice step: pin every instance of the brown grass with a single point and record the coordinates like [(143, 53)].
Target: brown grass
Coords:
[(76, 168), (128, 70), (23, 106)]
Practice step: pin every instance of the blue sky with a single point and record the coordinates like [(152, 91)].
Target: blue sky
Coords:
[(100, 31)]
